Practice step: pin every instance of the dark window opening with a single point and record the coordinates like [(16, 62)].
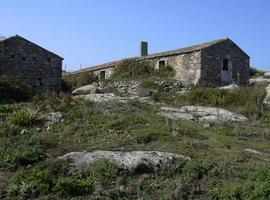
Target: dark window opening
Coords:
[(161, 64), (34, 59), (12, 56), (225, 66), (40, 82), (102, 74), (49, 60), (24, 58)]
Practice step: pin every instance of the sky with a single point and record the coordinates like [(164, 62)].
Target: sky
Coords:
[(91, 32)]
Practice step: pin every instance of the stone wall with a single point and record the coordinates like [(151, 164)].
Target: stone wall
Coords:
[(212, 62), (108, 72), (187, 66), (24, 60)]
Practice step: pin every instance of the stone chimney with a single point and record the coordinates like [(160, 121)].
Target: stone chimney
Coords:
[(144, 48)]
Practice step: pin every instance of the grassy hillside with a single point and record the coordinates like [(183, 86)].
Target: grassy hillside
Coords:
[(220, 166)]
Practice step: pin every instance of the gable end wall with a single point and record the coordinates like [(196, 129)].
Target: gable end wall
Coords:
[(27, 61), (212, 58)]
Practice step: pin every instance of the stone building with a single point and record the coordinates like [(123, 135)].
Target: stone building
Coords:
[(216, 63), (22, 59)]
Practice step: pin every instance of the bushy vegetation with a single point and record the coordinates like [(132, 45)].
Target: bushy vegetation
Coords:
[(135, 69), (14, 89), (247, 100), (73, 81), (25, 117), (253, 72)]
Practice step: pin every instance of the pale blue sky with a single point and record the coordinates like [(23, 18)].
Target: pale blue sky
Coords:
[(89, 32)]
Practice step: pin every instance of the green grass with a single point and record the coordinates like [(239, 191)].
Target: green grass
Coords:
[(219, 163), (247, 100)]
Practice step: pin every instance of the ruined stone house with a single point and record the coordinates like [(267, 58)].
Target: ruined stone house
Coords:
[(216, 63), (24, 60)]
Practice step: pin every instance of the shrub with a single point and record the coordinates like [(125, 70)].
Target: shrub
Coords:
[(73, 81), (148, 83), (253, 72), (246, 100), (132, 69), (14, 89), (21, 156), (73, 186), (53, 101), (144, 138), (165, 72), (24, 118), (42, 179), (256, 185)]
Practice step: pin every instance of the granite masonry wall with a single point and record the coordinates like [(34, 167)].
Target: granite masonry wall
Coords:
[(213, 65), (212, 73), (108, 72), (187, 66), (21, 59)]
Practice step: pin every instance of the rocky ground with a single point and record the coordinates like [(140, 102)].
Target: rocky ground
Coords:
[(131, 140)]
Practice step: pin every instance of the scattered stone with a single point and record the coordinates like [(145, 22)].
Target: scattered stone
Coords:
[(87, 89), (201, 113), (266, 100), (101, 97), (135, 161), (229, 87), (24, 131), (53, 118), (207, 125), (38, 129), (255, 152)]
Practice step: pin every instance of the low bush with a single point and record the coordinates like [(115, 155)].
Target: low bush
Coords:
[(255, 185), (245, 100), (40, 180), (73, 81), (136, 69), (253, 72), (24, 118), (14, 89), (21, 156), (144, 138), (132, 69), (165, 72), (53, 101)]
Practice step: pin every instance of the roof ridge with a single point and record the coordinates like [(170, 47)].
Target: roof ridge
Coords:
[(183, 50)]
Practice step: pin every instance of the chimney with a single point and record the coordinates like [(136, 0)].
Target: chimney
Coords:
[(144, 48)]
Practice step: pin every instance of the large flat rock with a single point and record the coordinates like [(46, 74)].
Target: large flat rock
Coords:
[(201, 113), (87, 89), (134, 161)]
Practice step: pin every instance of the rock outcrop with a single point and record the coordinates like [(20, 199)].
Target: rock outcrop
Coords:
[(87, 89), (230, 87), (134, 161), (201, 114)]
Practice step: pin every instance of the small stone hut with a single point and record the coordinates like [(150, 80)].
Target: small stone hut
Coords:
[(216, 63), (22, 59)]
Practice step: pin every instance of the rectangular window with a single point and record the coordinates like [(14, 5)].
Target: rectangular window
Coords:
[(226, 64), (102, 74), (161, 64)]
